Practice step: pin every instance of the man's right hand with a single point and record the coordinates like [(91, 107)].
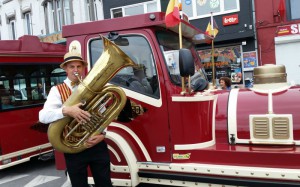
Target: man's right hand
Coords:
[(77, 113)]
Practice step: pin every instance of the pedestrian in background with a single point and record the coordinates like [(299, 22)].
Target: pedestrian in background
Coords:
[(225, 83)]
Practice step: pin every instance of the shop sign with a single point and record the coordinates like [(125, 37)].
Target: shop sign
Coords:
[(230, 20), (288, 29)]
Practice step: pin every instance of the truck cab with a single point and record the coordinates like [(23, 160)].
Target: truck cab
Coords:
[(166, 137)]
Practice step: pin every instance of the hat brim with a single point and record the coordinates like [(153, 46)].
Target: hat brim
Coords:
[(62, 65)]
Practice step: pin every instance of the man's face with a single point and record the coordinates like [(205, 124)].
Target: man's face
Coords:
[(72, 67)]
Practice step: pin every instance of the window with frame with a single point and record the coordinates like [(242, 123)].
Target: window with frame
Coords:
[(12, 29), (292, 9), (67, 12), (141, 78), (28, 23), (58, 13), (169, 45), (134, 9), (202, 8), (27, 84), (0, 27), (91, 10), (50, 17)]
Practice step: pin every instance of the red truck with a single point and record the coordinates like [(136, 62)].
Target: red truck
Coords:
[(28, 69), (241, 137)]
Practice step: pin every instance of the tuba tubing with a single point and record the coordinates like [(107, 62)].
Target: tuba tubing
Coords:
[(67, 135)]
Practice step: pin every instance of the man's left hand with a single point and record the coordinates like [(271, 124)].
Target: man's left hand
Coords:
[(94, 140)]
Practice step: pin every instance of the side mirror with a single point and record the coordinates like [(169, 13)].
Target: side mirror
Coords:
[(186, 63), (117, 39), (186, 68), (120, 41)]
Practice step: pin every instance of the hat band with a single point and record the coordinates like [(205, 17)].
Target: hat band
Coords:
[(73, 58)]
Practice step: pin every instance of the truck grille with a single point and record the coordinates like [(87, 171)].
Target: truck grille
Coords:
[(271, 128), (280, 128), (261, 128)]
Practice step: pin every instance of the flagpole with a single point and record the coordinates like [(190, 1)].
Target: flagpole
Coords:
[(213, 62), (179, 27), (173, 18), (180, 46), (213, 50)]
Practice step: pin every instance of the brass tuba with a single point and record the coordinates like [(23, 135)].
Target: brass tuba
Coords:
[(104, 103)]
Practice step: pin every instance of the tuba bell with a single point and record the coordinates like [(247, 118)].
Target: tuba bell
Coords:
[(104, 103)]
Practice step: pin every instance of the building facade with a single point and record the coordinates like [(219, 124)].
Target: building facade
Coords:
[(235, 40), (278, 33), (45, 18), (235, 50)]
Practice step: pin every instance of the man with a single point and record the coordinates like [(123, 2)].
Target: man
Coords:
[(96, 156), (38, 92), (140, 81)]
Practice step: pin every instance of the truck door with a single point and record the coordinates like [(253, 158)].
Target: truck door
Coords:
[(191, 117), (147, 129)]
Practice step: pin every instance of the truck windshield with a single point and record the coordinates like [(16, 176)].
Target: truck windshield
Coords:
[(169, 45), (141, 78)]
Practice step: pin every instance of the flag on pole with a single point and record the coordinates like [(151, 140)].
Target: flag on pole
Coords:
[(172, 14), (212, 28)]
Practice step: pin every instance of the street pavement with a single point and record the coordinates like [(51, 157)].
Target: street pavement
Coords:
[(34, 173), (38, 173)]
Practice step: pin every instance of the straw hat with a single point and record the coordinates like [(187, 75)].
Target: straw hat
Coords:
[(72, 56)]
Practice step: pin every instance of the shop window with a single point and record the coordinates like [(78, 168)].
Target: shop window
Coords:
[(203, 8), (227, 63)]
